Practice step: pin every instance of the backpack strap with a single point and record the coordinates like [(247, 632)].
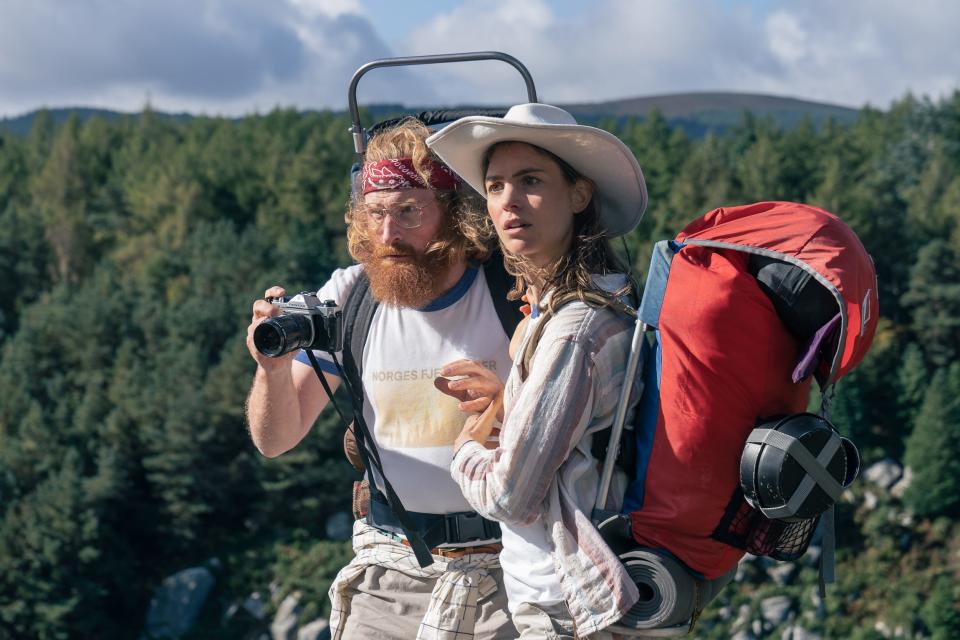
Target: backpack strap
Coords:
[(499, 283), (591, 298), (357, 317)]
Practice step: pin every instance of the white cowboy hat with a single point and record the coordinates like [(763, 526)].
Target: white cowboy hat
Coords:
[(595, 153)]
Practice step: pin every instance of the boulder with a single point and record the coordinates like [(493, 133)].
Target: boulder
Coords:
[(255, 605), (898, 489), (340, 526), (177, 603), (796, 632), (319, 629), (743, 617), (285, 622), (884, 474), (882, 628), (783, 573), (775, 610)]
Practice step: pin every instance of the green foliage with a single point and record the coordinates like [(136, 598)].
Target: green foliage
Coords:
[(130, 252), (940, 612), (309, 570), (933, 300), (933, 449)]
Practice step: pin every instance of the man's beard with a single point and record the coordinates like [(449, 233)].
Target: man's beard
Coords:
[(412, 283)]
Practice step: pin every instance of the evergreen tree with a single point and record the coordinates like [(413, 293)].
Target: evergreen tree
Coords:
[(933, 300), (912, 379), (940, 612), (60, 194), (933, 449)]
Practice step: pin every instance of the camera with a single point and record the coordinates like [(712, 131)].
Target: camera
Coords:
[(306, 323)]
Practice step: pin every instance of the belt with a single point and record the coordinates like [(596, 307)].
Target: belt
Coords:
[(436, 528), (459, 552)]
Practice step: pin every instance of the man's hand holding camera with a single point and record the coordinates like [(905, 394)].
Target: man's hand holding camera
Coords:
[(284, 400), (263, 309)]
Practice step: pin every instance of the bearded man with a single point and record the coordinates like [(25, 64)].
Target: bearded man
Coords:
[(419, 241)]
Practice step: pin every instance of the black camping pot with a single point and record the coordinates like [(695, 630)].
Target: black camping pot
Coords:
[(794, 468)]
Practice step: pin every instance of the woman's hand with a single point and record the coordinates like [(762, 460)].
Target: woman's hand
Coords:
[(481, 426), (479, 390)]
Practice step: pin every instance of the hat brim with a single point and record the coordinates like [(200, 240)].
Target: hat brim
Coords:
[(595, 153)]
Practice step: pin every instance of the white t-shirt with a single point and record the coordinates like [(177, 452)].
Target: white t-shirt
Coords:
[(413, 423)]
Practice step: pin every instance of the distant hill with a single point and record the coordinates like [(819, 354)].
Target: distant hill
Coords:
[(21, 125), (695, 113), (698, 113)]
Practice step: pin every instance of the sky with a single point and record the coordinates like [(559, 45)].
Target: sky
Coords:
[(236, 57)]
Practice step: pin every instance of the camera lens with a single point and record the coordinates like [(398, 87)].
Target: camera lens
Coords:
[(283, 334)]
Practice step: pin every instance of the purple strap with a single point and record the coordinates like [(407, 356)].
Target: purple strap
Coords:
[(821, 345)]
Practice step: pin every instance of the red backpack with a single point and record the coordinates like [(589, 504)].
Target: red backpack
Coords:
[(723, 361)]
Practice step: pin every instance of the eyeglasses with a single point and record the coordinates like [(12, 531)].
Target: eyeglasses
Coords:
[(408, 215)]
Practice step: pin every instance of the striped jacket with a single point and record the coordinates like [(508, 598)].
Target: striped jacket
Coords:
[(543, 469)]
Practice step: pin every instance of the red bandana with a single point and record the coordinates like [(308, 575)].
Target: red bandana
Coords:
[(399, 173)]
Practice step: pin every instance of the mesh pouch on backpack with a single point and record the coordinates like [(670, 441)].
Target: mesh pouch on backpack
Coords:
[(748, 529)]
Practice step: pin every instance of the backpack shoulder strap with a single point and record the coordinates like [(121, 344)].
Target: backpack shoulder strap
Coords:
[(499, 283), (357, 317), (592, 298)]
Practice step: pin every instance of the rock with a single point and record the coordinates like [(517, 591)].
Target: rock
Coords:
[(724, 613), (882, 628), (340, 526), (812, 556), (285, 621), (319, 629), (775, 610), (870, 500), (255, 606), (898, 489), (796, 632), (743, 616), (815, 599), (783, 573), (884, 473), (905, 519), (756, 627), (177, 603), (743, 635)]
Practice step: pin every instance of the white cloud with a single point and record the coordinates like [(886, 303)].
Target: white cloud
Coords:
[(849, 53), (235, 56), (217, 56)]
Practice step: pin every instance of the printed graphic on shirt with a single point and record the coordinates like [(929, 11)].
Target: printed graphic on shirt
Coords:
[(411, 412)]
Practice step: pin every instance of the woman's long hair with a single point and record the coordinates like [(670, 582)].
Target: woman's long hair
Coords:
[(589, 254), (466, 232)]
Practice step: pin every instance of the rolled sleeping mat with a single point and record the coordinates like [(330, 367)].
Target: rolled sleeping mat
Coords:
[(670, 596)]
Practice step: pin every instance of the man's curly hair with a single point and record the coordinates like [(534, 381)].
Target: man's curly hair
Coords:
[(466, 232)]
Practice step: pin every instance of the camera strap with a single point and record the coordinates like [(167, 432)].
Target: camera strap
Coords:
[(371, 459)]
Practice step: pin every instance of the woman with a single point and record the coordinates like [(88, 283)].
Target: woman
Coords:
[(556, 191)]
